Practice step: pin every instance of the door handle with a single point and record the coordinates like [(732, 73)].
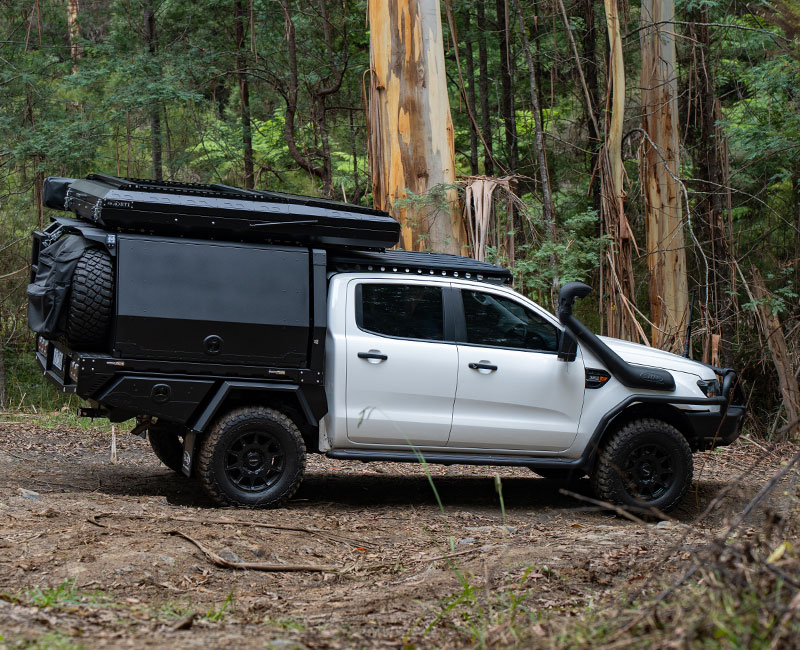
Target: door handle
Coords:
[(483, 365), (372, 355)]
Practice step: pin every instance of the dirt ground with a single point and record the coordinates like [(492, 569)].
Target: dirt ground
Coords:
[(89, 558)]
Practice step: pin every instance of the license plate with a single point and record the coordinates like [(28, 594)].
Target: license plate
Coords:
[(58, 359)]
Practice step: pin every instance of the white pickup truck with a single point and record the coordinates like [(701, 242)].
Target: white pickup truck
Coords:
[(238, 358)]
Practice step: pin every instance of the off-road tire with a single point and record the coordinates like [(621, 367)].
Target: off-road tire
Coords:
[(637, 451), (223, 460), (165, 439), (91, 301)]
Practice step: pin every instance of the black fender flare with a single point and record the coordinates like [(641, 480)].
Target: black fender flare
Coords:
[(227, 387), (312, 410)]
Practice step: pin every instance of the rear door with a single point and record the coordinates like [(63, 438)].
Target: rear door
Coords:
[(401, 368), (513, 392)]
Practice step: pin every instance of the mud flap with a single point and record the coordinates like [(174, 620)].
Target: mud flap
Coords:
[(188, 452)]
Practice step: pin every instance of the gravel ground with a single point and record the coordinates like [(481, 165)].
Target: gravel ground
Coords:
[(98, 554)]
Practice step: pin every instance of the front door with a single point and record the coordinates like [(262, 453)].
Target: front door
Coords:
[(401, 375), (513, 392)]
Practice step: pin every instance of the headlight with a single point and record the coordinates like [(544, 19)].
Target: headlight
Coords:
[(73, 371), (710, 387)]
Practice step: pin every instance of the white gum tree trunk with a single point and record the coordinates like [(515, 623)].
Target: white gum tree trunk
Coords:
[(661, 169), (410, 129)]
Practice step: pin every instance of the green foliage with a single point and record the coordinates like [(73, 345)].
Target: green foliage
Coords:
[(59, 597), (482, 619), (577, 252), (60, 116), (217, 614), (782, 298)]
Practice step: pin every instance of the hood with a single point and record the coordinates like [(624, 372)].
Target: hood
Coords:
[(643, 355)]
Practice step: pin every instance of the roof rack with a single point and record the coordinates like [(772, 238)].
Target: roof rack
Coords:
[(420, 264)]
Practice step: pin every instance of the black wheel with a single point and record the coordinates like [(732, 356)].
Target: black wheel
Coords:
[(646, 464), (165, 439), (91, 301), (253, 456)]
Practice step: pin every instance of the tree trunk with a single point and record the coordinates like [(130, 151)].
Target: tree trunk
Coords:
[(787, 378), (666, 256), (154, 108), (473, 136), (410, 129), (290, 95), (240, 30), (548, 211), (507, 84), (617, 83), (74, 33), (3, 402), (620, 316), (709, 165), (589, 52), (483, 91)]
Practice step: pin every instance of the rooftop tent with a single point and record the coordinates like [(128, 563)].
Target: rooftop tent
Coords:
[(220, 212)]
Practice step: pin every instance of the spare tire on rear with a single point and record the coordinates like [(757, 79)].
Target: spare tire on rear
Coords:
[(91, 301)]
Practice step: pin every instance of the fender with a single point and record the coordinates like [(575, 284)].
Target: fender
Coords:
[(208, 413), (311, 413)]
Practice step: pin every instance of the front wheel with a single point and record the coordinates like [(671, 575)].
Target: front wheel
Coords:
[(252, 456), (645, 464)]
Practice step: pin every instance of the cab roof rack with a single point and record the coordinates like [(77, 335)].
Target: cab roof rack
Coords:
[(420, 264)]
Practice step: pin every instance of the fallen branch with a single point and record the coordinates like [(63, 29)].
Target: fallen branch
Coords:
[(237, 522), (253, 566)]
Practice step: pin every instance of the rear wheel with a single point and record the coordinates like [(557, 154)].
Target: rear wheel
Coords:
[(252, 456), (646, 464), (165, 439)]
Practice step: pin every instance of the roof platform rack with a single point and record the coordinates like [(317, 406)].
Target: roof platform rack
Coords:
[(220, 212), (420, 264)]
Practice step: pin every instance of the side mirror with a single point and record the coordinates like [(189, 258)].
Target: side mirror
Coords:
[(567, 347)]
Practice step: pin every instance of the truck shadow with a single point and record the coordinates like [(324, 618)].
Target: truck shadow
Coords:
[(332, 491), (520, 494)]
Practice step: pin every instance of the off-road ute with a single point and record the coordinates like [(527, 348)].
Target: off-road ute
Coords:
[(244, 329)]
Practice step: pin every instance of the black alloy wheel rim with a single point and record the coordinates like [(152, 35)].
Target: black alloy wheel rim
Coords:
[(649, 472), (254, 461)]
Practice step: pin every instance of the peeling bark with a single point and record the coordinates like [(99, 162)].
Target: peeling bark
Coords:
[(619, 308), (776, 340), (666, 257), (411, 133)]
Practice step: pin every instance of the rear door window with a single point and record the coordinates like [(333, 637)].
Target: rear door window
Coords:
[(408, 311)]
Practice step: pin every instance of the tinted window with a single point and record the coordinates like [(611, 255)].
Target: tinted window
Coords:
[(406, 311), (501, 322)]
